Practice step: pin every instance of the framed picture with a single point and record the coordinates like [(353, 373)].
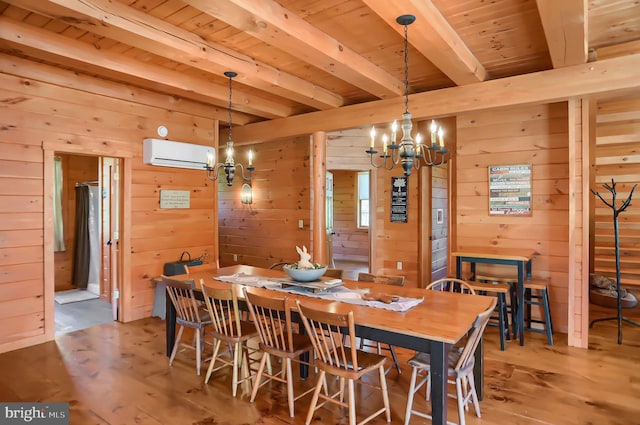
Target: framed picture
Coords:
[(510, 190), (399, 189)]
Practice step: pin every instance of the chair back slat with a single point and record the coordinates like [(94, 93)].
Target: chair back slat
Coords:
[(223, 308), (334, 273), (327, 332), (181, 293), (272, 318), (380, 278), (451, 284)]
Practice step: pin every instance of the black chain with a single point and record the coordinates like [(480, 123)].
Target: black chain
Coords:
[(230, 92), (406, 70)]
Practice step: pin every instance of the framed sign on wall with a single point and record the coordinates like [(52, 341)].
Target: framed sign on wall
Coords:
[(399, 191), (510, 189), (175, 199)]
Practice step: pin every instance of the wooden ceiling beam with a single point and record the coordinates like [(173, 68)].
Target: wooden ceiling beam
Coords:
[(20, 34), (565, 27), (134, 28), (554, 85), (434, 38), (26, 69), (266, 20)]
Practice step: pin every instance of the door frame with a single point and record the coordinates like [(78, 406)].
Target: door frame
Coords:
[(48, 245)]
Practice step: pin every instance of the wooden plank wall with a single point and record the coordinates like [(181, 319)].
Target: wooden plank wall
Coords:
[(618, 158), (92, 118), (395, 242), (535, 135), (349, 242), (346, 149), (266, 231)]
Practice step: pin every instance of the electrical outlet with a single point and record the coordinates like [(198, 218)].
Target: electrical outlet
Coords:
[(235, 258), (399, 265)]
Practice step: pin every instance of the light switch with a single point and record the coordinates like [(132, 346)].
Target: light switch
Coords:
[(399, 265), (300, 224)]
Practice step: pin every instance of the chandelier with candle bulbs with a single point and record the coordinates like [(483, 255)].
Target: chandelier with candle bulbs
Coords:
[(408, 153), (229, 165)]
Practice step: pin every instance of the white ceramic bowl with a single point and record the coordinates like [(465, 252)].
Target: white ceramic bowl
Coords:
[(304, 275)]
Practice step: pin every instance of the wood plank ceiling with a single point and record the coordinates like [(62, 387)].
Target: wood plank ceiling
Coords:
[(299, 56)]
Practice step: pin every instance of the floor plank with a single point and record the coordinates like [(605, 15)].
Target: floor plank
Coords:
[(118, 374)]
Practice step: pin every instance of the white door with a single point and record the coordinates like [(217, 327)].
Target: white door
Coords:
[(110, 232)]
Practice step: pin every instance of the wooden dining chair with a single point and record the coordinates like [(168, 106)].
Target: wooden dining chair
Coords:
[(272, 318), (387, 280), (190, 313), (327, 331), (278, 265), (229, 328), (460, 372), (451, 284)]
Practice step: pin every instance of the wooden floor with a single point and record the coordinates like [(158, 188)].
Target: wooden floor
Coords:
[(119, 374)]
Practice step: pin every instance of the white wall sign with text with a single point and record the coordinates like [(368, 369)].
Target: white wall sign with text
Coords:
[(175, 199)]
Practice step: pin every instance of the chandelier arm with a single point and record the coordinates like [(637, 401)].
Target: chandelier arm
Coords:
[(212, 172), (249, 168), (395, 156)]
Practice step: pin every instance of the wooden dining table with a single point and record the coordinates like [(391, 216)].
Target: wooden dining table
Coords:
[(432, 326), (518, 257)]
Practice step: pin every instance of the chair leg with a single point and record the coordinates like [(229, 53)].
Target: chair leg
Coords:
[(501, 319), (547, 316), (385, 394), (198, 352), (176, 344), (216, 349), (236, 358), (314, 399), (395, 358), (351, 397), (513, 301), (289, 379), (254, 392), (460, 401), (474, 395), (527, 296), (412, 391)]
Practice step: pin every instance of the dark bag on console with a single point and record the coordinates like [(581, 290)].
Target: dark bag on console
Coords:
[(178, 267)]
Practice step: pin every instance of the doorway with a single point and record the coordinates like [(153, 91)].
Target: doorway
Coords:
[(348, 233), (86, 216)]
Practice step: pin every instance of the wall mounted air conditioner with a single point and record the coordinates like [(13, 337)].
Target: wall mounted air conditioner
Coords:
[(168, 153)]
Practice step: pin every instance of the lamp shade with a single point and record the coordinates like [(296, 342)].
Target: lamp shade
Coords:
[(246, 194)]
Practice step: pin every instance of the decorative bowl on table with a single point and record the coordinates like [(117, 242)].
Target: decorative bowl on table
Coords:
[(304, 274)]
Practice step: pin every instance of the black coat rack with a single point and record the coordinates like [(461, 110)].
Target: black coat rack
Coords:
[(616, 211)]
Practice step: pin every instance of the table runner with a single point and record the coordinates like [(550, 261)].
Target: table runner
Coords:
[(339, 293)]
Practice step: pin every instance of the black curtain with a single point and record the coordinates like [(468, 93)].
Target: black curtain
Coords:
[(82, 252)]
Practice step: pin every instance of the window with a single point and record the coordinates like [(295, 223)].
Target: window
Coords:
[(363, 199)]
